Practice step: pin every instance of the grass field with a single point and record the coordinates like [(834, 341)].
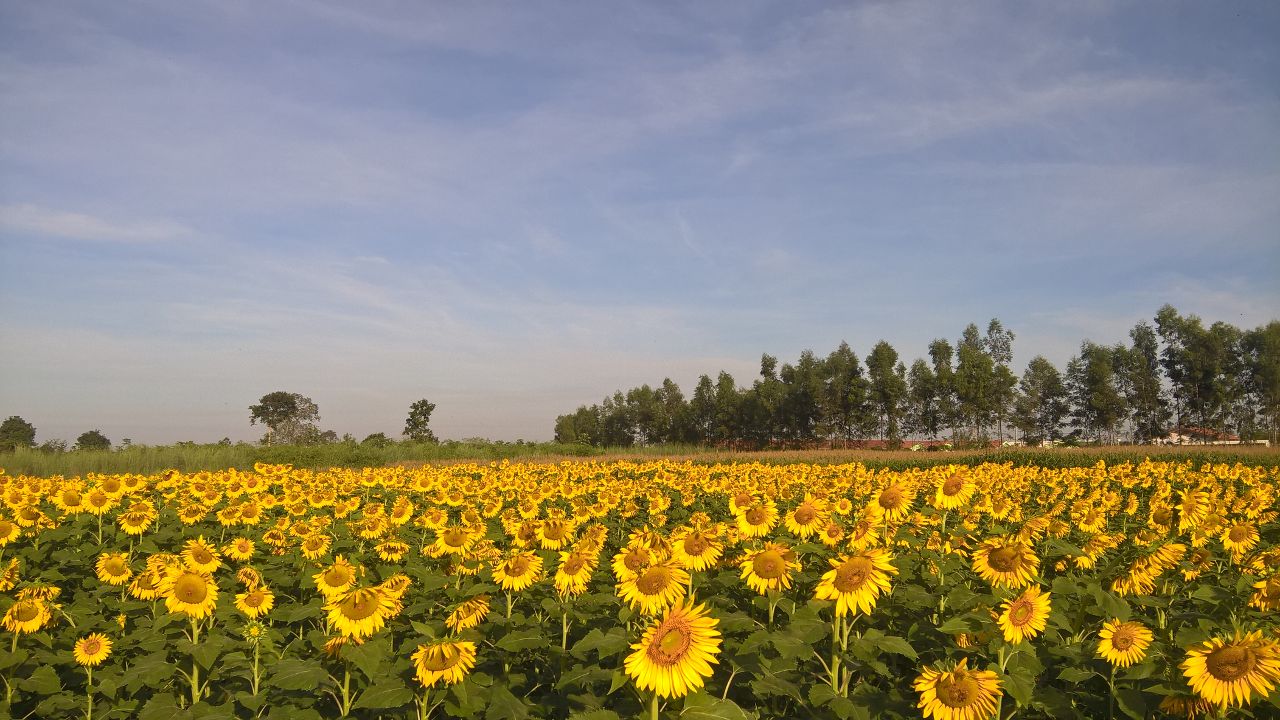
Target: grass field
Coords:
[(191, 458)]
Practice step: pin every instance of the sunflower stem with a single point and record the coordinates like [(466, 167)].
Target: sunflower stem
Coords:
[(653, 707), (195, 667), (88, 691), (836, 621)]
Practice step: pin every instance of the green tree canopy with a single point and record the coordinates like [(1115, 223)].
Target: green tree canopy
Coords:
[(290, 418), (93, 440), (15, 433), (415, 426)]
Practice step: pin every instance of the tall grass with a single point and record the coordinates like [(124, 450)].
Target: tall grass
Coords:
[(192, 458)]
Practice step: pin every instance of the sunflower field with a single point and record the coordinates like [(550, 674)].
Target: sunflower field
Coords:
[(601, 590)]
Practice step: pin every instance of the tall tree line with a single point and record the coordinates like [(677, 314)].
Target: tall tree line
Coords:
[(1175, 372)]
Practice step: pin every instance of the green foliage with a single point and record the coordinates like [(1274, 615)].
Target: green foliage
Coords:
[(15, 433), (93, 440), (415, 426), (290, 418)]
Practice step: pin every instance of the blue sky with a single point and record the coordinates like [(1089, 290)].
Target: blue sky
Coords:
[(515, 208)]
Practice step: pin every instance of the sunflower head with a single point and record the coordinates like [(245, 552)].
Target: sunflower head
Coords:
[(675, 655), (92, 649)]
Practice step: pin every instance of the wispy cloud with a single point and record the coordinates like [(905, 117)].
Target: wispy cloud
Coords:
[(26, 219)]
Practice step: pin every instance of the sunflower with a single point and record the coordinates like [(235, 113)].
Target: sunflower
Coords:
[(675, 655), (631, 561), (315, 546), (832, 533), (146, 585), (1123, 643), (1187, 706), (1006, 561), (10, 575), (189, 592), (256, 602), (554, 534), (453, 540), (808, 518), (769, 568), (1228, 672), (8, 531), (27, 616), (954, 492), (361, 612), (1266, 594), (1025, 616), (1240, 538), (446, 660), (392, 550), (758, 519), (960, 694), (92, 649), (135, 522), (856, 581), (469, 614), (894, 501), (696, 549), (518, 572), (200, 556), (240, 549), (335, 579), (574, 573), (657, 588), (113, 568)]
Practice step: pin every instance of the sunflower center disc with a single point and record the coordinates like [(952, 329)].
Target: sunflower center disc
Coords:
[(1238, 533), (1004, 559), (115, 566), (805, 514), (1020, 612), (653, 581), (26, 612), (190, 589), (360, 607), (1122, 639), (92, 646), (695, 545), (1231, 662), (201, 556), (336, 577), (518, 566), (635, 560), (455, 537), (890, 499), (573, 565), (953, 485), (670, 644), (852, 574), (553, 531), (957, 692), (768, 565), (756, 516), (440, 659)]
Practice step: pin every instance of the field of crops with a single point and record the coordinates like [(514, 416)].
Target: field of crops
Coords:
[(657, 589)]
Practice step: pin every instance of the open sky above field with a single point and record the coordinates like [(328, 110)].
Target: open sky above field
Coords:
[(514, 209)]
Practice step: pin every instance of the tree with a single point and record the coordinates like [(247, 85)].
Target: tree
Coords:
[(92, 440), (1260, 351), (888, 389), (290, 418), (1096, 404), (974, 382), (702, 411), (940, 355), (415, 426), (1041, 405), (1138, 367), (843, 404), (923, 416), (16, 433), (378, 440)]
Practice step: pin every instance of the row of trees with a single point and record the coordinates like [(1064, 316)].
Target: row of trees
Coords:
[(290, 419), (1177, 372)]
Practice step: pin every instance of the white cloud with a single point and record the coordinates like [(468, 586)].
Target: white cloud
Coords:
[(27, 219)]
